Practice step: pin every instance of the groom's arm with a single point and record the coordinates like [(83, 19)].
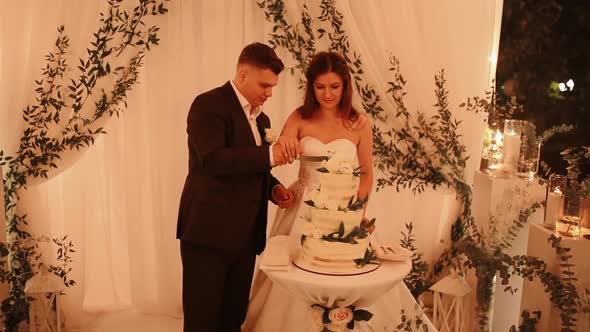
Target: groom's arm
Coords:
[(208, 127)]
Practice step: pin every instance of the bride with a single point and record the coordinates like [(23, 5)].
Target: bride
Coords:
[(326, 123)]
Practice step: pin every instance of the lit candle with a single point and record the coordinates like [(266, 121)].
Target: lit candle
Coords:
[(554, 208), (511, 150), (498, 137), (495, 153)]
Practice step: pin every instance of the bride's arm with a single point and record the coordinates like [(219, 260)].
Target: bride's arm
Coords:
[(291, 127), (289, 136), (365, 156)]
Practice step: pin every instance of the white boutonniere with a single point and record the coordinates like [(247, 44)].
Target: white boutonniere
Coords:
[(270, 136)]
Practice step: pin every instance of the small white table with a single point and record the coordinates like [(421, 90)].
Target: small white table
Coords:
[(533, 294), (340, 291)]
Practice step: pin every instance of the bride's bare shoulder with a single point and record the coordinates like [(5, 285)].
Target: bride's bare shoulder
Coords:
[(295, 117), (361, 123), (293, 122)]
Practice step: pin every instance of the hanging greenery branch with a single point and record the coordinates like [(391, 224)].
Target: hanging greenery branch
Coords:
[(415, 280), (411, 323), (555, 130), (496, 109), (298, 39), (566, 297), (67, 115), (489, 259), (529, 321), (578, 169)]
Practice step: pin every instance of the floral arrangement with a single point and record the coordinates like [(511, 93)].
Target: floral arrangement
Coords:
[(337, 319), (339, 164)]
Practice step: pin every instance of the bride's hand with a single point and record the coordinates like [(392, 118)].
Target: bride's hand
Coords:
[(290, 146)]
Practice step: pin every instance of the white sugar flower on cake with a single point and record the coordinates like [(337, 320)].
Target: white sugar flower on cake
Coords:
[(338, 164), (311, 231), (311, 195), (319, 199)]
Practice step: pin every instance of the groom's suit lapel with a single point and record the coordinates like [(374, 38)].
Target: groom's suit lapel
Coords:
[(242, 126)]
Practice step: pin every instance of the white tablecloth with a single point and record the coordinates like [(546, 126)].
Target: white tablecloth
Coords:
[(359, 290), (288, 303)]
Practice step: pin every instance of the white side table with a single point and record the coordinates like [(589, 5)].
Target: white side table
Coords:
[(533, 294), (506, 197)]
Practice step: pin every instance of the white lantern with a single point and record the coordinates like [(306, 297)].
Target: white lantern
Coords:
[(449, 307), (45, 287)]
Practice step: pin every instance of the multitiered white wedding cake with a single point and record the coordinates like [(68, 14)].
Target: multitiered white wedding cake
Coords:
[(335, 237)]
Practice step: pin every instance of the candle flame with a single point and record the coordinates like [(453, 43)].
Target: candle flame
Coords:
[(498, 137)]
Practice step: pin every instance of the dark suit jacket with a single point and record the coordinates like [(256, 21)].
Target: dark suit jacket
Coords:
[(225, 197)]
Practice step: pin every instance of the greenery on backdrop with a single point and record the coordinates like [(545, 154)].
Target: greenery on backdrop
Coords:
[(414, 151), (66, 115)]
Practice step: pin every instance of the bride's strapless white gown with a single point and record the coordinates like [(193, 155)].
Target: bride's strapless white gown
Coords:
[(272, 309)]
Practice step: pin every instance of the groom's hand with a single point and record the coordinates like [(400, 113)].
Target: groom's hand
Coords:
[(282, 196), (278, 155), (291, 147)]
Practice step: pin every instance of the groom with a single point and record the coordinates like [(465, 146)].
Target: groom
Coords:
[(223, 208)]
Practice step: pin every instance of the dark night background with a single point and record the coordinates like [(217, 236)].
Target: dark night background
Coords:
[(545, 41)]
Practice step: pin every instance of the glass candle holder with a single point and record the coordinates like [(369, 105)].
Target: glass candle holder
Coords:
[(554, 200), (511, 144), (530, 151), (570, 222), (492, 157)]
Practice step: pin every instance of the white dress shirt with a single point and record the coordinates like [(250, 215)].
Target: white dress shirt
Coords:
[(251, 116)]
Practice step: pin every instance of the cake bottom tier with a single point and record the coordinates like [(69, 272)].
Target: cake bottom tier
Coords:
[(320, 252)]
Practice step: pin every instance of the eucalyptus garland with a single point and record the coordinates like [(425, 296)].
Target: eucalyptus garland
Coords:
[(72, 107), (415, 280)]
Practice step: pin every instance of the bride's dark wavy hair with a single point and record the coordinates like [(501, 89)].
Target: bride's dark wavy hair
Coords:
[(322, 63)]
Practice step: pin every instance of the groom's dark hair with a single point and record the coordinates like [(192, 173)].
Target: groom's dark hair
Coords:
[(261, 56)]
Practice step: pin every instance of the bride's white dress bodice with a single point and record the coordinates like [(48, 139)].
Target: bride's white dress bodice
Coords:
[(313, 151)]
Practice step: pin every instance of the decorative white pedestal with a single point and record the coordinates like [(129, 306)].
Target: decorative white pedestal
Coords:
[(534, 296), (506, 197)]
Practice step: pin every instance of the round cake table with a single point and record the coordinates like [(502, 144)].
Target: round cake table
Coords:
[(340, 291)]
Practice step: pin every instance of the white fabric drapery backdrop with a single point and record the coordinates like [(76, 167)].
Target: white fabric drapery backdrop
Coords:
[(118, 202)]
